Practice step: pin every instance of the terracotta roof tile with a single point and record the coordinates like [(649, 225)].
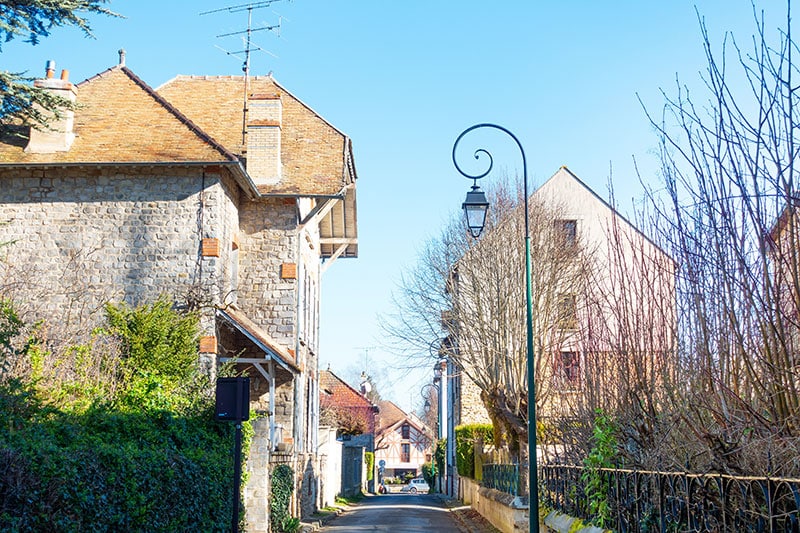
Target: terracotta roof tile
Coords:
[(390, 415), (122, 120), (341, 394), (313, 152)]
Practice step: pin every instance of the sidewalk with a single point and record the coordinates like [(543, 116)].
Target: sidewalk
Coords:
[(468, 520)]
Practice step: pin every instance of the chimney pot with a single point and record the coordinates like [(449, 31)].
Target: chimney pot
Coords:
[(121, 57), (58, 134), (50, 68)]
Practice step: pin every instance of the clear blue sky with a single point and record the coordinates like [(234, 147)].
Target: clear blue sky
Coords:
[(403, 79)]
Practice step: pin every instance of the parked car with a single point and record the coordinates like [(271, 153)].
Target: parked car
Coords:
[(418, 484)]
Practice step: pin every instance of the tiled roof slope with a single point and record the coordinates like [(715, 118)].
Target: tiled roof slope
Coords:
[(313, 152), (341, 394), (120, 119), (390, 415)]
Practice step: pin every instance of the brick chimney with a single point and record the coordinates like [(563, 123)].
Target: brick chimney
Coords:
[(265, 112), (57, 135)]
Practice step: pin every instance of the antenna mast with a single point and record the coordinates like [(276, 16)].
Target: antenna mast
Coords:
[(248, 45)]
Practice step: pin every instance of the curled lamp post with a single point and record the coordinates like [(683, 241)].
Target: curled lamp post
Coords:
[(475, 207)]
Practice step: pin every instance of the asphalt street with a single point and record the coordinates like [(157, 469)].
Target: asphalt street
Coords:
[(398, 513)]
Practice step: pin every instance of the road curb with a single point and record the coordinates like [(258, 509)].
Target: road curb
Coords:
[(316, 524)]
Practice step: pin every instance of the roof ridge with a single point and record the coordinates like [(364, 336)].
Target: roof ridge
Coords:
[(346, 384), (208, 139), (205, 137), (606, 203)]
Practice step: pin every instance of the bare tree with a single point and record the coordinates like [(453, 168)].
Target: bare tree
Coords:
[(474, 291), (729, 168)]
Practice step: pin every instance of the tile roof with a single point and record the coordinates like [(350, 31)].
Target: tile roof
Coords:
[(316, 157), (120, 119), (390, 415), (341, 394)]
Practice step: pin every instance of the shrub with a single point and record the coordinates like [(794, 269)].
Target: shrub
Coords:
[(112, 471), (369, 464), (439, 454), (159, 356), (466, 435), (156, 337), (428, 475), (152, 459), (602, 454)]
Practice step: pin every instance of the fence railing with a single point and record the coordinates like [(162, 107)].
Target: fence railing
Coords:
[(502, 477), (645, 502)]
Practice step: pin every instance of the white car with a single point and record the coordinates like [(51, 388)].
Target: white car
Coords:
[(418, 484)]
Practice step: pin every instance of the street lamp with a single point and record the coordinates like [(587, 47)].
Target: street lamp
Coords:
[(425, 392), (475, 207)]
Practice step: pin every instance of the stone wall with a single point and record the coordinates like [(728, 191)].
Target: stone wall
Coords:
[(501, 509), (330, 460), (80, 238), (267, 290), (257, 489), (472, 409)]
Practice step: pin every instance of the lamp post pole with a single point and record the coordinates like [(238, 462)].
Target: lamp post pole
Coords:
[(428, 406), (475, 207)]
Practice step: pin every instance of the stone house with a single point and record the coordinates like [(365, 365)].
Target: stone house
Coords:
[(229, 195)]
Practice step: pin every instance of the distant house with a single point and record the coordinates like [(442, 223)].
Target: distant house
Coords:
[(229, 195), (784, 253), (353, 416), (403, 442), (619, 316), (345, 408)]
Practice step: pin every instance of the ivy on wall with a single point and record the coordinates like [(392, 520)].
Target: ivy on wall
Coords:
[(282, 489)]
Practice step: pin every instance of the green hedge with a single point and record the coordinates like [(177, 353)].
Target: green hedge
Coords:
[(439, 454), (466, 436), (109, 471), (369, 461)]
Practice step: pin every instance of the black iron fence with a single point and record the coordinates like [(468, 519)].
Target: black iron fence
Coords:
[(502, 477), (646, 502)]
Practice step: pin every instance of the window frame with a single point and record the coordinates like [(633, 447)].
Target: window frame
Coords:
[(567, 377), (567, 230)]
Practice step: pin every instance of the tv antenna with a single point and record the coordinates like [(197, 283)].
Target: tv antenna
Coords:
[(366, 355), (248, 45)]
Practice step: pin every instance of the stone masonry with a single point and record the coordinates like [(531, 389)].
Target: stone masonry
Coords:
[(81, 238)]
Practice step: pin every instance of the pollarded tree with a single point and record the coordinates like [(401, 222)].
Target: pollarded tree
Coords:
[(473, 293)]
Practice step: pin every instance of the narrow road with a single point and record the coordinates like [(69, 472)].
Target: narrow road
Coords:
[(398, 513)]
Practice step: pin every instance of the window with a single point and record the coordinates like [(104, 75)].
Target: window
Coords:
[(566, 312), (405, 453), (567, 231), (406, 431), (567, 371)]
